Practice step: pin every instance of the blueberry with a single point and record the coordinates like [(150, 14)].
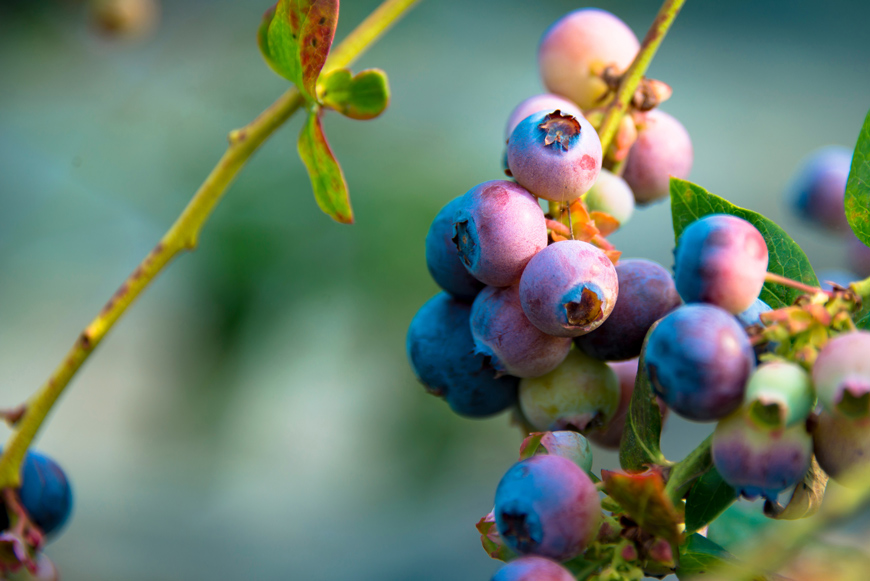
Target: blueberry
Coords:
[(842, 444), (841, 374), (497, 229), (779, 394), (554, 155), (532, 568), (570, 445), (646, 294), (752, 315), (663, 149), (610, 194), (581, 394), (575, 50), (610, 435), (721, 260), (547, 505), (441, 351), (569, 288), (818, 188), (508, 340), (442, 256), (45, 493), (546, 102), (698, 359), (758, 461)]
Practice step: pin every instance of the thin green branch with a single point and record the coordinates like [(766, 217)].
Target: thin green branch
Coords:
[(632, 77), (181, 236)]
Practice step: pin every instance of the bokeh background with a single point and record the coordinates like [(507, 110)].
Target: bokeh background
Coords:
[(254, 416)]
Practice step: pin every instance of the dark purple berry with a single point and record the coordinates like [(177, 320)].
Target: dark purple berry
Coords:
[(663, 149), (721, 260), (497, 229), (547, 505), (841, 445), (508, 340), (442, 256), (698, 359), (532, 568), (758, 461), (646, 294), (818, 188), (441, 351), (569, 288), (554, 155)]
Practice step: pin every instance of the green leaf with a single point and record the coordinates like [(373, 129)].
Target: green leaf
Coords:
[(690, 202), (642, 497), (708, 498), (327, 180), (700, 557), (295, 37), (640, 445), (362, 96), (685, 472), (806, 499), (858, 187)]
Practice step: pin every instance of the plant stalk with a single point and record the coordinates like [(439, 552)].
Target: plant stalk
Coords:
[(632, 77), (182, 236)]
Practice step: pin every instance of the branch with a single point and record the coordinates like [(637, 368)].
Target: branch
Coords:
[(632, 77), (182, 235)]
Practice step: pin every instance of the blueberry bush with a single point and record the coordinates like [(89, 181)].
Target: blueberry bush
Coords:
[(541, 315)]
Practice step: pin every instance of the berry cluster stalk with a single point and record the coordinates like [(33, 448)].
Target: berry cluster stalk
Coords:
[(182, 236), (632, 77)]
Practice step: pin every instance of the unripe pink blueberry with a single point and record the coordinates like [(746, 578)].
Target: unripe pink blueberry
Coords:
[(569, 288), (554, 155), (545, 102), (533, 568), (663, 149), (508, 340), (841, 374), (580, 394), (577, 48), (497, 229), (721, 260), (841, 445), (610, 194)]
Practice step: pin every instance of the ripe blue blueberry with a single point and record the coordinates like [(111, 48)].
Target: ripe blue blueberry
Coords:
[(441, 351), (442, 256), (533, 568), (698, 359), (721, 260), (580, 394), (758, 461), (497, 229), (547, 505), (610, 194), (646, 294), (663, 149), (546, 102), (575, 50), (842, 444), (841, 374), (569, 288), (45, 493), (818, 188), (508, 340), (752, 315), (570, 445), (554, 155)]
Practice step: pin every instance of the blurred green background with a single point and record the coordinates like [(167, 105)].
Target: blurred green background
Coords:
[(254, 416)]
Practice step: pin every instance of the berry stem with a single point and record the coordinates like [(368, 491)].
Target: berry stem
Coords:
[(784, 281), (183, 234), (633, 76)]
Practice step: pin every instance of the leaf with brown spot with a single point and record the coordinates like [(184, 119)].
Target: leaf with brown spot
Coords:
[(327, 179), (295, 37), (644, 499), (806, 498)]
